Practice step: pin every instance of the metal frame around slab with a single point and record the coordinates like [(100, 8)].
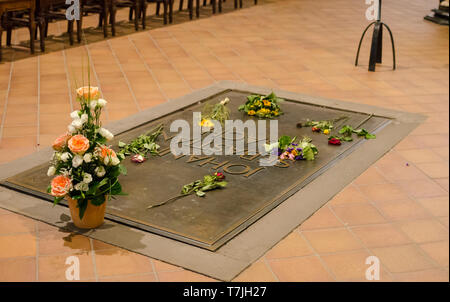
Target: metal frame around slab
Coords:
[(246, 247)]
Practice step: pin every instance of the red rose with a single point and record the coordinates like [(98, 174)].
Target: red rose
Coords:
[(315, 129), (334, 141), (219, 175)]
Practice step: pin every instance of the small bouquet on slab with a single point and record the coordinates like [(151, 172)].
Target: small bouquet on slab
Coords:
[(199, 187), (262, 106), (85, 170), (293, 149), (324, 126), (218, 112), (142, 146)]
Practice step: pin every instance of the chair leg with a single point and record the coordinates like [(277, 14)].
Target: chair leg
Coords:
[(144, 12), (256, 2), (8, 36), (190, 8), (204, 3), (70, 31), (105, 19), (1, 35), (112, 16), (220, 6), (197, 8), (79, 28), (130, 14), (46, 27), (180, 8), (235, 4), (137, 7), (240, 3), (171, 11), (165, 3), (32, 29), (158, 7), (213, 2), (41, 34), (375, 46)]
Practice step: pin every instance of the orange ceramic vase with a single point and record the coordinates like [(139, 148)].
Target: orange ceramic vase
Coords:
[(93, 216)]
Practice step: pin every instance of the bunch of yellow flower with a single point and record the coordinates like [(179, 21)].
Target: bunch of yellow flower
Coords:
[(262, 106)]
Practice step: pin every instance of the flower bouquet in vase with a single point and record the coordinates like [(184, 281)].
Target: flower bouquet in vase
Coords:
[(85, 170)]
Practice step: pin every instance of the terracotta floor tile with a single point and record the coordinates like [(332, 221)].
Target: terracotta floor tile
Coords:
[(303, 269), (349, 194), (380, 235), (424, 230), (384, 192), (183, 276), (328, 241), (350, 266), (257, 272), (358, 214), (438, 251), (418, 156), (120, 262), (150, 277), (161, 266), (438, 206), (370, 176), (54, 267), (402, 258), (435, 170), (57, 242), (323, 218), (15, 223), (291, 246), (423, 188), (402, 210), (18, 270), (20, 245), (432, 275)]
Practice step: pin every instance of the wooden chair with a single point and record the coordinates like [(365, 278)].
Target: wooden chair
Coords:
[(49, 10), (16, 13), (139, 7)]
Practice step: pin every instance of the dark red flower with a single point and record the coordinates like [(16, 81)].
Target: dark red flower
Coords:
[(315, 129), (219, 175), (334, 141)]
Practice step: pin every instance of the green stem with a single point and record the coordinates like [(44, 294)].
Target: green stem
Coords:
[(168, 200)]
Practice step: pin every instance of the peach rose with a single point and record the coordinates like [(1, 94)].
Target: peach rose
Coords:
[(108, 156), (78, 144), (60, 186), (88, 92), (61, 141)]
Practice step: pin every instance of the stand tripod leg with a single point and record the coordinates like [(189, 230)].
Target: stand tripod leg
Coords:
[(375, 45), (360, 42), (393, 47), (380, 45)]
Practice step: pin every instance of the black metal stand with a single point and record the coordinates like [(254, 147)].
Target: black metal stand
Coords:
[(377, 42)]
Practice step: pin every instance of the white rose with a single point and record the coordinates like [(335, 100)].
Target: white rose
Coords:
[(87, 178), (81, 186), (77, 124), (106, 160), (51, 171), (77, 161), (106, 134), (65, 156), (115, 161), (101, 103), (87, 157), (74, 115), (71, 129), (93, 104), (84, 117), (100, 171)]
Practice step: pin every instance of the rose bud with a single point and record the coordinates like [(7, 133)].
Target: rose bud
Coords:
[(334, 141), (315, 129), (219, 175), (137, 159)]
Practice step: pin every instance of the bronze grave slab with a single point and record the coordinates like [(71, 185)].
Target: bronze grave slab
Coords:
[(252, 191), (223, 233)]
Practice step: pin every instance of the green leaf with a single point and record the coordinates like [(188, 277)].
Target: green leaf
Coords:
[(82, 205), (200, 193), (370, 136), (98, 200), (122, 144)]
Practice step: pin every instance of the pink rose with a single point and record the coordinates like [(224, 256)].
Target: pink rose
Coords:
[(78, 144), (61, 141)]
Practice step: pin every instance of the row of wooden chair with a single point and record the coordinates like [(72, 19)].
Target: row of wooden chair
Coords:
[(37, 14)]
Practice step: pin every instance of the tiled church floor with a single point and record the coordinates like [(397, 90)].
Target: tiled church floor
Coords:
[(398, 210)]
